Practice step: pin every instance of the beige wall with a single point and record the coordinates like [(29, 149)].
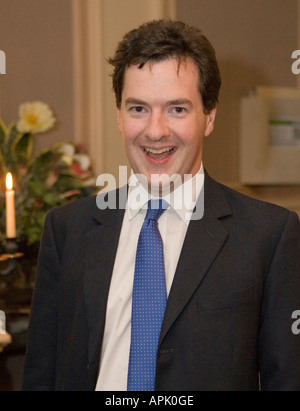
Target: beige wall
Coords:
[(36, 36), (254, 41)]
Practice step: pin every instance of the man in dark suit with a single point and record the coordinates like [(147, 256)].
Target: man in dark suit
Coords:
[(231, 271)]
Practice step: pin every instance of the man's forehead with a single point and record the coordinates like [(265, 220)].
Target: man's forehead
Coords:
[(164, 80)]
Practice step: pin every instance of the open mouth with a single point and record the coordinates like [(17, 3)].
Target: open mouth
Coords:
[(159, 154)]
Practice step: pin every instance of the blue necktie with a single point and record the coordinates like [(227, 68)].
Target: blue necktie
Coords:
[(149, 301)]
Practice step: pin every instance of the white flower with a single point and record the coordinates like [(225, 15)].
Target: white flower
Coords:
[(35, 117), (67, 160), (67, 149), (83, 160)]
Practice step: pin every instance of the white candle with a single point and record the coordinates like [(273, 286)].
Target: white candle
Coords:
[(10, 208)]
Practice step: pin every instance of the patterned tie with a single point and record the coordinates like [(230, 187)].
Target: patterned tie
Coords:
[(149, 301)]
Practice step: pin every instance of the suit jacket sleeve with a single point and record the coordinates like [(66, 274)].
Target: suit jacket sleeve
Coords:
[(40, 363), (279, 347)]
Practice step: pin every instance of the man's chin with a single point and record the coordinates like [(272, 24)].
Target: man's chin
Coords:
[(160, 185)]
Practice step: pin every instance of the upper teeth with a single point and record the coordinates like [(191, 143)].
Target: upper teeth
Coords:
[(164, 150)]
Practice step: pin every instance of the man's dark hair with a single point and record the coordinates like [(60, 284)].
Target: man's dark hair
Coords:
[(161, 40)]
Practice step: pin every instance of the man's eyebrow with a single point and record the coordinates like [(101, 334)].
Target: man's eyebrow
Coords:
[(135, 101), (177, 102)]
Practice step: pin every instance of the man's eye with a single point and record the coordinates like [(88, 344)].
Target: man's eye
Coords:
[(179, 110), (138, 109)]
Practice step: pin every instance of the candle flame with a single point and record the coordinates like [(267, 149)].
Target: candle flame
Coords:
[(9, 181)]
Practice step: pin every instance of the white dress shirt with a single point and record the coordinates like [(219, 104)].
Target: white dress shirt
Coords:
[(173, 226)]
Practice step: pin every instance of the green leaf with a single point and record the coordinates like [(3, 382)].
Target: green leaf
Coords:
[(23, 148), (3, 133), (44, 157), (13, 137), (67, 182), (2, 165), (37, 188), (3, 137), (51, 199), (42, 164)]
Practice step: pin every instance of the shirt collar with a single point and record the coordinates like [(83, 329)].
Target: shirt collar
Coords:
[(182, 200)]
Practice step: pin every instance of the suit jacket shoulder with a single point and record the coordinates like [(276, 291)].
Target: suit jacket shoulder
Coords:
[(245, 210), (81, 216)]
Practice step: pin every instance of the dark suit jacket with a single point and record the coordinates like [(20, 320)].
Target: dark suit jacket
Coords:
[(229, 312)]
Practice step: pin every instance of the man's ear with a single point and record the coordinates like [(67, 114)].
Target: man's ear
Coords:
[(210, 123)]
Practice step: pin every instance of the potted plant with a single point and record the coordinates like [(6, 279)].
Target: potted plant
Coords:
[(43, 180)]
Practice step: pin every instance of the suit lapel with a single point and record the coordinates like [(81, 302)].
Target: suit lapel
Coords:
[(203, 242), (101, 247)]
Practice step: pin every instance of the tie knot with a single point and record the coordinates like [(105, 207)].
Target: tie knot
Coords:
[(156, 208)]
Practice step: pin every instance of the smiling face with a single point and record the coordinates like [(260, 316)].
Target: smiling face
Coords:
[(162, 118)]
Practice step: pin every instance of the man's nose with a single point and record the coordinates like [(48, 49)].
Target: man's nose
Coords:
[(158, 127)]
